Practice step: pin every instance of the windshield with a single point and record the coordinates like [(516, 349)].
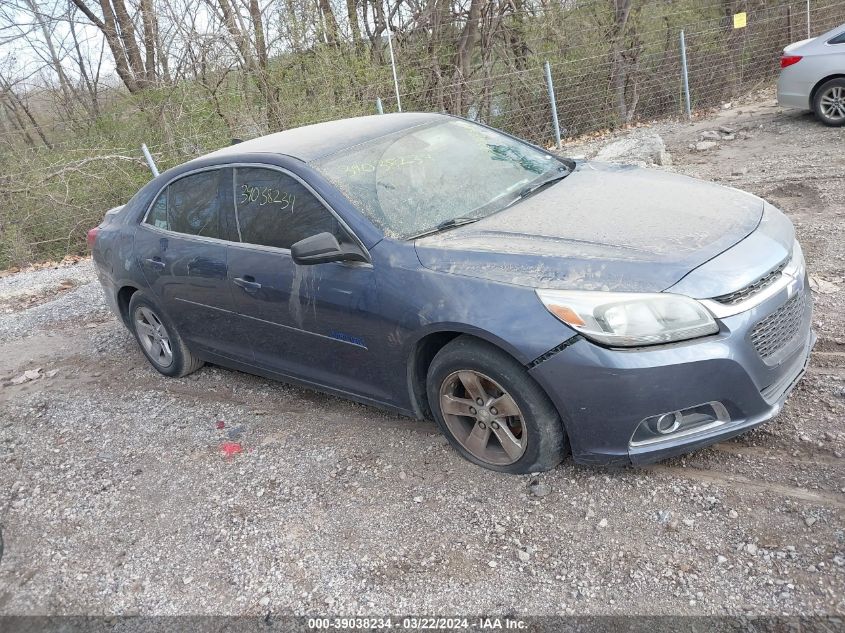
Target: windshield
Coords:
[(414, 180)]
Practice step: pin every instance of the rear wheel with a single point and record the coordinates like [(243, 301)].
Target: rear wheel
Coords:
[(492, 411), (158, 338), (829, 103)]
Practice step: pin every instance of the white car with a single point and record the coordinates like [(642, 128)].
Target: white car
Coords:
[(812, 76)]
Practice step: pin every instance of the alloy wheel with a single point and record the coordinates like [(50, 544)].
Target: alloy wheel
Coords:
[(483, 417), (832, 103), (153, 337)]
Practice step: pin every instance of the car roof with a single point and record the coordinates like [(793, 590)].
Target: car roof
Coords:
[(311, 142)]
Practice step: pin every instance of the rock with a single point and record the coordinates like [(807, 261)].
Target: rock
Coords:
[(603, 523), (265, 600), (739, 172), (523, 556), (29, 374), (710, 135), (491, 564), (817, 284), (728, 137), (721, 559), (703, 146), (590, 513), (733, 514), (664, 516), (187, 580), (724, 129), (642, 149), (418, 499), (751, 548), (689, 522), (809, 521), (539, 489)]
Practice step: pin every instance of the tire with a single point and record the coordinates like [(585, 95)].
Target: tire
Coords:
[(829, 102), (533, 440), (156, 334)]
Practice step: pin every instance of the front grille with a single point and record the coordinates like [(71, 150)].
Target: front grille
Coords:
[(752, 289), (780, 328)]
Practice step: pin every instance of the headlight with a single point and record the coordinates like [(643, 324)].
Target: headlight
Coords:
[(624, 319), (795, 267)]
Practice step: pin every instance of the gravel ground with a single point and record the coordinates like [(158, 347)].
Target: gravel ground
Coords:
[(115, 497)]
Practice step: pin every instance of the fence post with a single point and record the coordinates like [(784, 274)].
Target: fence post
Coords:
[(393, 61), (789, 21), (379, 107), (150, 160), (686, 75), (808, 19), (551, 88)]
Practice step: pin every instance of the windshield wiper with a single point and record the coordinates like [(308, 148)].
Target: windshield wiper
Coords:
[(443, 226), (534, 187)]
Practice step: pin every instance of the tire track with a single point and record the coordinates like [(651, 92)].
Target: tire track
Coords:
[(751, 485)]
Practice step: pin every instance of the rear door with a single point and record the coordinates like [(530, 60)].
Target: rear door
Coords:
[(312, 322), (182, 251)]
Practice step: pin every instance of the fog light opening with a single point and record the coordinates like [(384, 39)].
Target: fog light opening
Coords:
[(676, 424), (668, 423)]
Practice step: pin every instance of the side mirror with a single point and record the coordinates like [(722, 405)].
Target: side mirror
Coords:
[(323, 248)]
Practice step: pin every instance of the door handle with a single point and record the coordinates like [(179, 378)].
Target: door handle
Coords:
[(154, 261), (247, 283)]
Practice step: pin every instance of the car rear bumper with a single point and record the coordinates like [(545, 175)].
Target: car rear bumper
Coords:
[(603, 395), (793, 92)]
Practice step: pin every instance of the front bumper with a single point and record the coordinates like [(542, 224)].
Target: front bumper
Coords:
[(604, 394)]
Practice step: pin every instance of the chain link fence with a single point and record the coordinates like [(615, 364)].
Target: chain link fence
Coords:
[(50, 195)]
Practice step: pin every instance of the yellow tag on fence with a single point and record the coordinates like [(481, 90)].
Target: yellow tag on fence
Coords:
[(740, 20)]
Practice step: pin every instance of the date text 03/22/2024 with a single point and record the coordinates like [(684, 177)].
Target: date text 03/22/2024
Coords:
[(417, 623)]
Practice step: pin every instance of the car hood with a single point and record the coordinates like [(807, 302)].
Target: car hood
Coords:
[(604, 227)]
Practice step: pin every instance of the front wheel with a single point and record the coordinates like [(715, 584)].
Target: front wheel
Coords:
[(158, 338), (829, 103), (492, 411)]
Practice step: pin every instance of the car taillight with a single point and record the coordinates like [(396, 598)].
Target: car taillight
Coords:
[(788, 60), (92, 237)]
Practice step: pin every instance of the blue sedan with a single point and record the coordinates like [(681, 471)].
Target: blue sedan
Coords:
[(531, 304)]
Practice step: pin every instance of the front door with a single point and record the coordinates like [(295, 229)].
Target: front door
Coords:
[(182, 251), (310, 322)]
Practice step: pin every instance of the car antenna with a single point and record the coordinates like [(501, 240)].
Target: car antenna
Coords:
[(150, 160)]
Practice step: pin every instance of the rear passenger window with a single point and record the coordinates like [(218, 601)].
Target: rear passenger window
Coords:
[(191, 205), (839, 39), (275, 209)]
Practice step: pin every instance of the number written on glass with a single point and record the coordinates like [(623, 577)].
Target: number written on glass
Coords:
[(267, 195)]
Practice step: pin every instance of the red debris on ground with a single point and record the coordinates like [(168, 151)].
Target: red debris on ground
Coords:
[(221, 424), (228, 449)]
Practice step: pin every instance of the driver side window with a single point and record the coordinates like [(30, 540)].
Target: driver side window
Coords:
[(275, 209)]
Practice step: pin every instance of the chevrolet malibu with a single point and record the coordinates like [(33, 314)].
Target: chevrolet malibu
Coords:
[(532, 305)]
